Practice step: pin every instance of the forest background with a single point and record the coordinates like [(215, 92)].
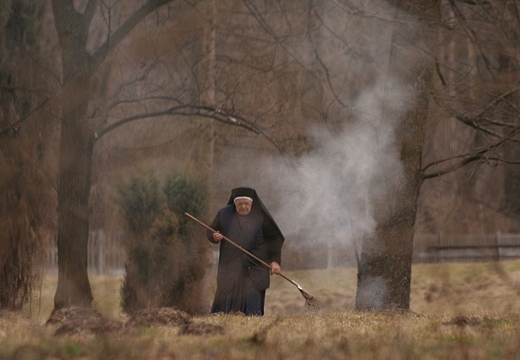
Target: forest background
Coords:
[(317, 105)]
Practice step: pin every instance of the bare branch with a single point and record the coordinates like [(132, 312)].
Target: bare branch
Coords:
[(494, 160), (329, 81), (499, 98), (479, 121), (124, 29), (193, 111), (474, 2), (121, 86), (261, 20), (451, 168), (469, 158), (14, 126), (90, 10)]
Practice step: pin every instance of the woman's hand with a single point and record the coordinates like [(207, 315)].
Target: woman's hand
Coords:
[(275, 268), (217, 236)]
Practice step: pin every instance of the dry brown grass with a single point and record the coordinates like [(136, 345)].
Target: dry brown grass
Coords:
[(460, 311)]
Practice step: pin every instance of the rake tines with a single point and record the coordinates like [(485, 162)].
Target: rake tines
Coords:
[(310, 302)]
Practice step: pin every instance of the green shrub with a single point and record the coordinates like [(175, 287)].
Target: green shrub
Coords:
[(183, 195), (164, 268), (140, 202)]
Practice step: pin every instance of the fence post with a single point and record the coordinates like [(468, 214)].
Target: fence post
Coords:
[(329, 255), (498, 243), (437, 251)]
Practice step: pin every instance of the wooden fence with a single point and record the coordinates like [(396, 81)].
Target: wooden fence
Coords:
[(106, 253), (465, 248)]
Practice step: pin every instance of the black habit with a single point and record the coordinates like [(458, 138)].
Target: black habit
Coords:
[(242, 280)]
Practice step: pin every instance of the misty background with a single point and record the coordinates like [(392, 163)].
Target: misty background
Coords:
[(315, 85), (312, 78)]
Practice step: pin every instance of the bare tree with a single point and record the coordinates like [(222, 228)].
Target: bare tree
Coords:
[(478, 84), (257, 68), (417, 87), (81, 63), (384, 270), (475, 85), (77, 140), (26, 193)]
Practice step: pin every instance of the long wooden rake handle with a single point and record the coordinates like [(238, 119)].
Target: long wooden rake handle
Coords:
[(310, 301), (243, 250)]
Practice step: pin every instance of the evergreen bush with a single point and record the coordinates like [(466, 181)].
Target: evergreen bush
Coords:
[(164, 267)]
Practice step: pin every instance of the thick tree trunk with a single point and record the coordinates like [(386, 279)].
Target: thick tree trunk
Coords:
[(384, 269), (73, 204), (77, 141), (75, 155)]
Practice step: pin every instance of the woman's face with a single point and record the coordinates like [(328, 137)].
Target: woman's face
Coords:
[(243, 206)]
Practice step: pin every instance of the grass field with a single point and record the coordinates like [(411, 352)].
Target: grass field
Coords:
[(459, 311)]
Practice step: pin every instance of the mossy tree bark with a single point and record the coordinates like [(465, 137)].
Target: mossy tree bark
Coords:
[(77, 140), (384, 269)]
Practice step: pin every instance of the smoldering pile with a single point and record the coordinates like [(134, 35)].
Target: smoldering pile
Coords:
[(82, 320), (168, 316), (85, 320)]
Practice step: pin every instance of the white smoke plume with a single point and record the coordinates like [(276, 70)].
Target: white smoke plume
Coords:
[(326, 194)]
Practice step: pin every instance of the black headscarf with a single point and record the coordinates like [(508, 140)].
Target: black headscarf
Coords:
[(257, 204)]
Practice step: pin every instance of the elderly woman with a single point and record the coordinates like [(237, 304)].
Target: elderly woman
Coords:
[(242, 280)]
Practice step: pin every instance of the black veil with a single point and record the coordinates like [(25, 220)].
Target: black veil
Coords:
[(257, 204)]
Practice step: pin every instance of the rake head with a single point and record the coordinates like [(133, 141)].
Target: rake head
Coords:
[(310, 302)]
